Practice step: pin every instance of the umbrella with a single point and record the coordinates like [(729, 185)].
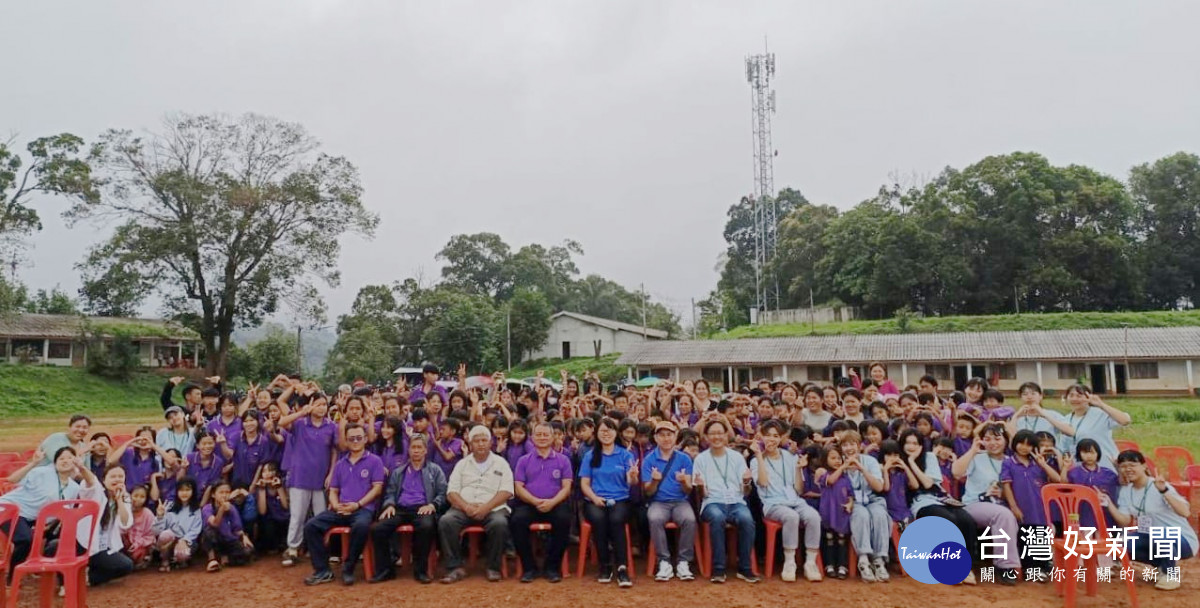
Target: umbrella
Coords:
[(647, 382), (447, 384), (478, 381), (407, 370)]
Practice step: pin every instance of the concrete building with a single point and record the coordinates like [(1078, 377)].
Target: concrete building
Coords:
[(1139, 361), (576, 335), (61, 339)]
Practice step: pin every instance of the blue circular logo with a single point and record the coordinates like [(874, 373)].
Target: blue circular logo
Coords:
[(932, 550)]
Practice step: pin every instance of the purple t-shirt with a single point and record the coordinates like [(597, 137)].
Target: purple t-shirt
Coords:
[(1103, 480), (514, 452), (897, 495), (962, 446), (419, 392), (137, 469), (275, 509), (543, 476), (205, 476), (246, 458), (833, 503), (412, 489), (308, 460), (166, 488), (231, 431), (353, 480), (454, 446), (230, 527), (273, 452), (1027, 481), (392, 457)]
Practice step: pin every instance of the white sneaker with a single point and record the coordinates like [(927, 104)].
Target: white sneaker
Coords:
[(865, 572), (684, 572), (665, 571), (289, 558), (1166, 583), (881, 573), (970, 580), (811, 571), (789, 572)]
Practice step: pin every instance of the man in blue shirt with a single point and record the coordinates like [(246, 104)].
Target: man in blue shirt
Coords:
[(668, 475)]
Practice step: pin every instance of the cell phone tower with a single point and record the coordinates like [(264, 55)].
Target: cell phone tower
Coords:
[(760, 69)]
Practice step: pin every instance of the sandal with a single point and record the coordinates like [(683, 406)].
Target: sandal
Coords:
[(213, 566), (165, 567)]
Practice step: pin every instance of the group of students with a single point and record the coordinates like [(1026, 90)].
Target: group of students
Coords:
[(233, 476)]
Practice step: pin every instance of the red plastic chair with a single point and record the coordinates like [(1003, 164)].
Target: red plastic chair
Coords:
[(1071, 499), (1176, 459), (586, 546), (651, 556), (730, 548), (407, 550), (774, 528), (368, 556), (5, 487), (566, 561), (1192, 474), (8, 468), (11, 457), (1123, 445), (8, 521), (474, 533), (119, 440), (65, 561)]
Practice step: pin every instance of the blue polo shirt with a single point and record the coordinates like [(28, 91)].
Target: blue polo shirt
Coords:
[(39, 488), (608, 479), (669, 489)]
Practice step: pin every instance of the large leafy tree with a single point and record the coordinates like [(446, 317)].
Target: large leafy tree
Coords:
[(798, 251), (737, 272), (224, 217), (477, 263), (470, 331), (53, 302), (263, 359), (360, 352), (1168, 193), (528, 322)]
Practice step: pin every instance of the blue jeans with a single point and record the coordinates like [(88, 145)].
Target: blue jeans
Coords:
[(738, 514), (1139, 550), (314, 537)]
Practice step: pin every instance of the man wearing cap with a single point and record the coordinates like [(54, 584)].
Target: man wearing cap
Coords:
[(177, 435), (668, 482), (543, 484), (479, 489), (429, 378)]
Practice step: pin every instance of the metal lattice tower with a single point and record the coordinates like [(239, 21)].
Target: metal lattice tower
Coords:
[(760, 69)]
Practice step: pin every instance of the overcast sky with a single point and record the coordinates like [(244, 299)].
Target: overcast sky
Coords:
[(624, 125)]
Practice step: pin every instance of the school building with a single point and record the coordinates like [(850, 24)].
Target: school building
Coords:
[(62, 340), (1136, 361)]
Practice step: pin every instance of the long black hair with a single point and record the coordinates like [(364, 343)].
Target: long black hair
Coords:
[(598, 449), (193, 503), (110, 505)]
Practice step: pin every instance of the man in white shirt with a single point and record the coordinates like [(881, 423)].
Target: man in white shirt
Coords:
[(478, 491), (724, 480)]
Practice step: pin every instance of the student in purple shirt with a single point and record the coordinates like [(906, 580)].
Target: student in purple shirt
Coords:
[(1022, 476), (416, 493), (542, 480), (227, 423), (448, 449), (1085, 470), (223, 538), (429, 385), (205, 465), (139, 457), (246, 450), (389, 443), (895, 481), (517, 444), (310, 453), (355, 485), (272, 503)]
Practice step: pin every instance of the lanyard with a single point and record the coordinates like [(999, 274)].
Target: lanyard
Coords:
[(782, 470), (995, 467), (1141, 510), (724, 470)]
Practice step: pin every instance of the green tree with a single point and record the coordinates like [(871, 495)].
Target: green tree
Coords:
[(223, 217), (54, 302), (263, 359), (529, 322), (551, 271), (56, 165), (797, 253), (477, 263), (1167, 193), (361, 352), (115, 292), (737, 280), (470, 331)]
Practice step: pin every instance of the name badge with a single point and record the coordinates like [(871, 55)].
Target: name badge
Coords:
[(1143, 525)]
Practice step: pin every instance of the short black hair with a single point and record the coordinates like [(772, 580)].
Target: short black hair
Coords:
[(928, 379), (429, 368), (852, 392), (419, 413), (992, 393), (77, 417)]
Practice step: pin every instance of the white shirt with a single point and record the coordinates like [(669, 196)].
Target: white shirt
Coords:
[(111, 542), (479, 485)]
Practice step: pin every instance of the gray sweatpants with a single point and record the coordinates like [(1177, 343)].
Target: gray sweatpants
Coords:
[(871, 529), (299, 501), (684, 516), (793, 518), (997, 517)]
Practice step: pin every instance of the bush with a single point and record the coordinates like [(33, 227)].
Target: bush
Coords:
[(115, 357)]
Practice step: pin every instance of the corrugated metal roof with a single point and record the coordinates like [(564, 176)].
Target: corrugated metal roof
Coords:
[(30, 325), (613, 325), (1078, 344)]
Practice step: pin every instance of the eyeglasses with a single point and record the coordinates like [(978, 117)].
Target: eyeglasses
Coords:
[(356, 438)]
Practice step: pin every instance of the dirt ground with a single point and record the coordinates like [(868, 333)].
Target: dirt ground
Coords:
[(20, 434)]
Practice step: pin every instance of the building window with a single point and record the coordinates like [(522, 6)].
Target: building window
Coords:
[(1072, 371), (1006, 371), (818, 373), (941, 372), (714, 375), (60, 350), (1143, 370), (660, 373), (761, 373)]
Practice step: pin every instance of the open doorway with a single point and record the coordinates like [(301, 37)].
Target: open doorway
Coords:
[(1099, 380), (1120, 379), (960, 377)]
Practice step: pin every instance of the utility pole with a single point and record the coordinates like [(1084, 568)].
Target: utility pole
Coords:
[(812, 313), (508, 330), (760, 69), (693, 318), (643, 311), (1016, 300), (299, 352)]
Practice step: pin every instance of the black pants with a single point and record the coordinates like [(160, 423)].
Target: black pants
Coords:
[(272, 534), (103, 566), (359, 523), (835, 551), (233, 550), (450, 527), (608, 530), (384, 530), (961, 520), (22, 539), (559, 518)]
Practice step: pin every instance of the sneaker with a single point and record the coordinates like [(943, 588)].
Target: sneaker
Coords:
[(606, 574), (333, 559), (1165, 583), (789, 572), (623, 579), (665, 572), (554, 577), (319, 578), (880, 569), (1006, 576), (529, 576), (865, 571), (347, 577), (493, 576), (842, 573), (830, 571), (718, 578), (749, 577), (812, 572), (684, 572), (970, 580), (289, 558)]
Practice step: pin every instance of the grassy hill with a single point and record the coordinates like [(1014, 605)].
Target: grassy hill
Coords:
[(1026, 322), (32, 390), (576, 367)]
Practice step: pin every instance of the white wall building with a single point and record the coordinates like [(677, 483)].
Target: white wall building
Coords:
[(576, 335)]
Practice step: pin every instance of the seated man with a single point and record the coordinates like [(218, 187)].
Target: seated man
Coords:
[(478, 492), (416, 492), (724, 480), (668, 475), (543, 484), (355, 483)]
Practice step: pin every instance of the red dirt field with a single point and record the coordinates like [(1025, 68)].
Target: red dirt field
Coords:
[(265, 583)]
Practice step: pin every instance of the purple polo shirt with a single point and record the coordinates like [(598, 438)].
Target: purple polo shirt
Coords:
[(166, 488), (543, 476), (420, 393), (412, 490), (392, 458), (246, 458), (514, 452), (231, 524), (205, 476), (231, 431), (454, 446), (275, 508), (1027, 481), (137, 469), (354, 479), (308, 460), (274, 452)]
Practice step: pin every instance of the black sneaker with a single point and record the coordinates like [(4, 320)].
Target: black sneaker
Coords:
[(1006, 576), (348, 578), (717, 577), (606, 574), (748, 577), (623, 579), (383, 575), (554, 577), (319, 578), (422, 577), (529, 576)]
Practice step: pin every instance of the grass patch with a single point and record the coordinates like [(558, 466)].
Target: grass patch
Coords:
[(577, 366), (978, 323), (32, 391)]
